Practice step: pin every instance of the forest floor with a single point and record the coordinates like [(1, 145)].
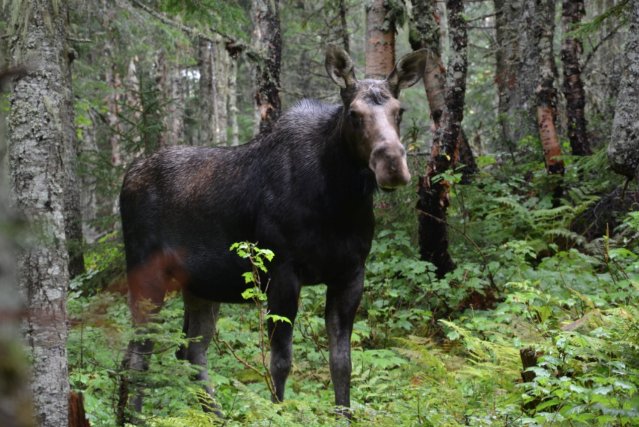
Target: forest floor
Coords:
[(426, 351)]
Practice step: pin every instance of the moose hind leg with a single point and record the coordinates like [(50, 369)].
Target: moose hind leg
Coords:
[(342, 301), (200, 316), (136, 362), (147, 289)]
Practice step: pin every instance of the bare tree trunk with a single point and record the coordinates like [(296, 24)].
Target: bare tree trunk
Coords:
[(267, 39), (113, 115), (424, 33), (507, 55), (135, 130), (72, 204), (233, 110), (432, 198), (88, 201), (163, 83), (169, 82), (221, 64), (546, 92), (39, 123), (380, 39), (447, 113), (343, 30), (208, 119), (602, 69), (572, 13), (623, 151), (15, 397), (522, 105)]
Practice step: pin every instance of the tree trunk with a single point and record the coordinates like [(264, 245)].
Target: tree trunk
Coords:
[(221, 64), (267, 39), (233, 110), (424, 33), (546, 92), (89, 153), (432, 198), (447, 117), (380, 39), (572, 13), (15, 397), (208, 119), (39, 123), (522, 108), (72, 199), (169, 82), (113, 114), (343, 27), (602, 69), (134, 127), (623, 151), (507, 55), (466, 158)]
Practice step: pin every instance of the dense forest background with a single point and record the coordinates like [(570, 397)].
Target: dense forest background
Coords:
[(503, 282)]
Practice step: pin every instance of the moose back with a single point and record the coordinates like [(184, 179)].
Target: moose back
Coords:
[(304, 190)]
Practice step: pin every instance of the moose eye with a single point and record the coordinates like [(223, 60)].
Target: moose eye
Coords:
[(398, 117), (355, 118)]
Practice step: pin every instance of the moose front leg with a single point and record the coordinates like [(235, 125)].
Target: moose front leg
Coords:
[(342, 300), (282, 302)]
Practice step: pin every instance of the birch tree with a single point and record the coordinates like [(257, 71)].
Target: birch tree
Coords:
[(267, 40), (445, 89), (380, 38), (546, 93)]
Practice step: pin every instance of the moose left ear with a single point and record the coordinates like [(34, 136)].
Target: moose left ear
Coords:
[(408, 71)]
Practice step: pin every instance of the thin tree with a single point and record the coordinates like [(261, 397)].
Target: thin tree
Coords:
[(208, 93), (507, 60), (267, 40), (39, 123), (623, 151), (546, 92), (446, 100), (170, 85), (343, 25), (380, 39), (572, 14), (518, 67)]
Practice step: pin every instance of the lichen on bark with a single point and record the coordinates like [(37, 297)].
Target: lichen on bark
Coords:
[(39, 124), (623, 151)]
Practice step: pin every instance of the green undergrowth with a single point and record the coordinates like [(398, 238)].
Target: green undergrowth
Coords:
[(426, 350)]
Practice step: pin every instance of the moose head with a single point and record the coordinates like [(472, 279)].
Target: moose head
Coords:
[(372, 113)]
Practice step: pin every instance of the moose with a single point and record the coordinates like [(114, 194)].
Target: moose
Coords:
[(303, 189)]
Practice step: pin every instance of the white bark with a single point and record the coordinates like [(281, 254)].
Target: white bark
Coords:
[(38, 127)]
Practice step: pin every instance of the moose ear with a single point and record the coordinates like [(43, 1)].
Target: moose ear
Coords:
[(408, 71), (339, 66)]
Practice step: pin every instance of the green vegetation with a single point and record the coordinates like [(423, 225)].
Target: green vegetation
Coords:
[(427, 351)]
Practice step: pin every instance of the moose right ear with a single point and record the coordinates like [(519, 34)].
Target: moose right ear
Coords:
[(339, 66)]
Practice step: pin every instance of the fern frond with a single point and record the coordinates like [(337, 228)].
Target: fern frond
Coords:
[(564, 233), (519, 209), (558, 213)]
